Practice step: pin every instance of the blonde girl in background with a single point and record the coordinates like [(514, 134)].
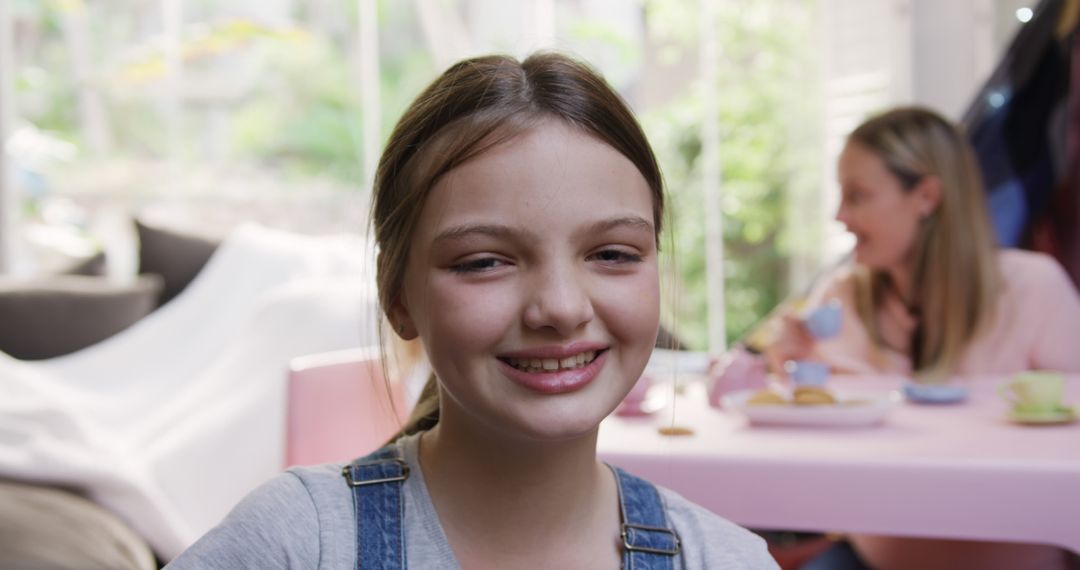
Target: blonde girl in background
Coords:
[(929, 294), (517, 211)]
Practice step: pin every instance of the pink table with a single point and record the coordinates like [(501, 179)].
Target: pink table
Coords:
[(956, 471)]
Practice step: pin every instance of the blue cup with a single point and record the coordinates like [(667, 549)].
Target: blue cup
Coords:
[(824, 322), (808, 372)]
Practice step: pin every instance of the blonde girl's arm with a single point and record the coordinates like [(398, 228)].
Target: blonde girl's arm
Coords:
[(790, 341)]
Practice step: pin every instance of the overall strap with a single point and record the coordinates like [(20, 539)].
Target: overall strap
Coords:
[(376, 481), (649, 543)]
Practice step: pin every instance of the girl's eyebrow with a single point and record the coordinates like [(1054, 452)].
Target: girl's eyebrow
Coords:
[(465, 231), (636, 223)]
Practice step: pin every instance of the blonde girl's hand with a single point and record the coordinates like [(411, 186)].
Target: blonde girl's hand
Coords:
[(791, 341)]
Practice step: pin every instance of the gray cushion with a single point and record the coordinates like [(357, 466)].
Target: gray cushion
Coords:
[(52, 316), (176, 256), (93, 265), (49, 528), (667, 340)]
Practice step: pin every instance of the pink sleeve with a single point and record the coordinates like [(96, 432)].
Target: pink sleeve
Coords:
[(1056, 302)]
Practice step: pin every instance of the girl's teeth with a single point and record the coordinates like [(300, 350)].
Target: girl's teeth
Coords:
[(553, 364)]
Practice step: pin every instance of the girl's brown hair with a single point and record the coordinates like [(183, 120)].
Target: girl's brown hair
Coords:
[(955, 276), (475, 105)]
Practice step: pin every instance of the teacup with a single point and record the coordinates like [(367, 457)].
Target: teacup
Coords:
[(807, 372), (824, 321), (1035, 392), (934, 393)]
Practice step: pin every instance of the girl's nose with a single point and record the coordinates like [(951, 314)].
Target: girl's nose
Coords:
[(841, 215), (558, 300)]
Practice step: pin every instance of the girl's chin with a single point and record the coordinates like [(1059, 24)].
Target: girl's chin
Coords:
[(561, 426), (866, 258), (875, 262), (565, 434)]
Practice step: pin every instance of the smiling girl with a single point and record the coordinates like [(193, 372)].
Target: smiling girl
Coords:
[(517, 210)]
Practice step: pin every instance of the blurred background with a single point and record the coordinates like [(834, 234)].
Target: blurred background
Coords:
[(203, 114)]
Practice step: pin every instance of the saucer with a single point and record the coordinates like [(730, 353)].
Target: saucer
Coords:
[(934, 393), (1058, 416)]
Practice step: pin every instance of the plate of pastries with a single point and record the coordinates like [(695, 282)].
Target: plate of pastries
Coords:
[(809, 406)]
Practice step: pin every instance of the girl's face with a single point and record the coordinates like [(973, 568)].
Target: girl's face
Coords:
[(875, 207), (532, 281)]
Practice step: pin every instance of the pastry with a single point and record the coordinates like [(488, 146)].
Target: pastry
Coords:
[(766, 398), (813, 396)]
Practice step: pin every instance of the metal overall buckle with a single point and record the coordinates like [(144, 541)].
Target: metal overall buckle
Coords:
[(628, 528), (347, 472)]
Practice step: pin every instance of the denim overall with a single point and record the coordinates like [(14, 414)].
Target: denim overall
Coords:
[(376, 482)]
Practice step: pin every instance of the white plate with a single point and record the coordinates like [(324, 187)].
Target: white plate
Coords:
[(849, 412)]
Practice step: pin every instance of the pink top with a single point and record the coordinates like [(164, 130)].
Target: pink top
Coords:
[(1037, 325)]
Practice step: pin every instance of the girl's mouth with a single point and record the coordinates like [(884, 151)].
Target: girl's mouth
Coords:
[(555, 375), (535, 365)]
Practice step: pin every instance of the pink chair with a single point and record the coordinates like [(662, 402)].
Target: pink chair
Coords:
[(339, 407)]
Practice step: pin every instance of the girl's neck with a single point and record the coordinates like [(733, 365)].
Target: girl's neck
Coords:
[(532, 499)]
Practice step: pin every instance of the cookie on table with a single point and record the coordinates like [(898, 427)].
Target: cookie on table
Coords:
[(766, 398), (813, 396)]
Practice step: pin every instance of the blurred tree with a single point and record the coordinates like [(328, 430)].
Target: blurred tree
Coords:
[(767, 88)]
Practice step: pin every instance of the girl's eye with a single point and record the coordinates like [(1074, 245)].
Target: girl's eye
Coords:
[(478, 265), (615, 256)]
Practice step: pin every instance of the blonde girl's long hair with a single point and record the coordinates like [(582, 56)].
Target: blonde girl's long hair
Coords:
[(475, 105), (955, 275)]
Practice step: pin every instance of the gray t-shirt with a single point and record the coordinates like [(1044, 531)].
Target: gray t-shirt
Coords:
[(304, 518)]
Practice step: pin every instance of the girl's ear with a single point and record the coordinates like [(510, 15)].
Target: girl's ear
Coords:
[(401, 321), (928, 194)]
